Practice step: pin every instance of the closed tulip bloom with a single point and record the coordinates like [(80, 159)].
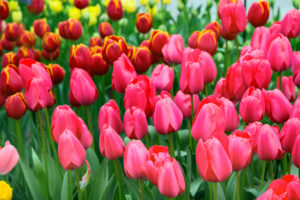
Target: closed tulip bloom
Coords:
[(295, 67), (36, 6), (15, 106), (10, 80), (50, 56), (288, 87), (252, 106), (80, 57), (114, 10), (81, 4), (57, 73), (74, 31), (193, 39), (123, 73), (215, 27), (12, 31), (210, 118), (290, 24), (4, 9), (276, 190), (24, 52), (162, 77), (6, 44), (9, 157), (260, 38), (167, 117), (295, 112), (9, 58), (220, 89), (296, 151), (143, 22), (27, 39), (278, 107), (252, 129), (105, 29), (41, 27), (240, 150), (140, 92), (157, 40), (173, 49), (142, 59), (111, 144), (289, 133), (258, 13), (113, 48), (280, 53), (135, 123), (110, 114), (50, 42), (171, 181), (268, 143), (98, 65), (95, 41), (71, 153), (83, 87), (183, 101), (213, 161), (135, 159), (231, 116), (293, 190), (207, 41)]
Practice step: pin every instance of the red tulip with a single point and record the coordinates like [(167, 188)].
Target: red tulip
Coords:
[(278, 108), (276, 190), (83, 87), (80, 57), (205, 40), (173, 49), (98, 65), (95, 41), (260, 38), (157, 40), (295, 67), (50, 56), (231, 116), (167, 117), (27, 39), (81, 4), (141, 59), (113, 47), (143, 22), (57, 73), (50, 42), (289, 133), (215, 27), (123, 73), (258, 13), (296, 151), (105, 29), (12, 31), (9, 155), (114, 10), (7, 45), (183, 101), (71, 153), (41, 27), (163, 77), (290, 24), (140, 92), (15, 106), (24, 52), (110, 114), (135, 159), (75, 29), (9, 58), (36, 6), (293, 190), (288, 87), (4, 9), (135, 123), (10, 80), (111, 144)]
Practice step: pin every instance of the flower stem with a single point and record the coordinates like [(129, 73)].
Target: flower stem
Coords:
[(171, 145), (225, 58), (237, 186), (118, 179), (237, 47), (141, 189), (271, 171), (215, 191), (89, 116), (280, 80), (210, 191), (290, 165), (20, 138), (263, 175), (78, 185), (50, 137), (190, 133), (147, 141), (70, 185), (206, 90)]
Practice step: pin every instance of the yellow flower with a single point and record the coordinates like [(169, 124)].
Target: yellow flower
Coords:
[(74, 13), (144, 2), (93, 20), (17, 16), (71, 2), (130, 6), (152, 11), (105, 2), (56, 6), (5, 191), (166, 2), (13, 5), (94, 10)]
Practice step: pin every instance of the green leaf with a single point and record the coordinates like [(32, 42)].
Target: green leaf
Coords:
[(195, 185), (65, 188), (54, 178), (132, 187)]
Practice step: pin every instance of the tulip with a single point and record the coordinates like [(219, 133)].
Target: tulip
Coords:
[(9, 157), (114, 10), (210, 118), (173, 49), (111, 144), (167, 117), (71, 153), (36, 6), (193, 39), (278, 108), (75, 29), (140, 92), (83, 87), (276, 190), (95, 41), (135, 123), (41, 27), (290, 24), (220, 89), (288, 87), (113, 47), (289, 133), (183, 101), (123, 73), (80, 56), (9, 58), (157, 40), (110, 114), (171, 181), (260, 38), (231, 116), (258, 13), (240, 150), (4, 9), (81, 4), (295, 112), (15, 106), (295, 67), (252, 129), (296, 152), (12, 31), (10, 80), (293, 190), (6, 190), (50, 56), (57, 73), (24, 52), (105, 29), (144, 22), (50, 42), (215, 27), (98, 65), (6, 44), (141, 59), (213, 161), (135, 159), (63, 29), (207, 41), (27, 39), (162, 77), (280, 53)]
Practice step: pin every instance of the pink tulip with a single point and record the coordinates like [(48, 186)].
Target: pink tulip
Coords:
[(278, 108), (111, 144), (293, 190), (213, 161), (231, 116), (275, 28), (295, 112), (296, 67), (240, 150), (252, 129), (288, 87), (290, 24), (82, 87), (288, 134), (123, 72), (183, 101), (260, 38), (167, 117), (162, 77), (220, 89), (135, 123), (296, 151), (110, 114), (173, 49), (9, 157), (71, 153), (252, 106), (171, 182), (135, 159)]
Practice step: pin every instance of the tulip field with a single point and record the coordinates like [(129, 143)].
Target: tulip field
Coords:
[(144, 100)]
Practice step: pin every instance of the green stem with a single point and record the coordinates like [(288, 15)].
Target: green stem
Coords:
[(210, 191), (88, 112), (118, 179), (243, 183), (171, 145), (280, 80), (225, 58), (271, 171), (263, 174), (237, 47), (190, 134), (141, 189), (206, 90), (192, 105), (44, 150), (215, 191), (50, 137), (147, 141), (290, 165), (19, 136), (70, 185), (237, 186), (78, 185)]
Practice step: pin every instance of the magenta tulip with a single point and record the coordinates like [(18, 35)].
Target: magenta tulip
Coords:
[(288, 87), (288, 134), (135, 123), (183, 101), (231, 116), (173, 49), (290, 24), (162, 77)]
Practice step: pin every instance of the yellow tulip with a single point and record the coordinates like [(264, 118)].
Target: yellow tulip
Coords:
[(105, 2), (74, 13), (93, 20), (130, 6), (6, 191), (144, 2), (17, 16), (71, 2), (94, 10), (166, 2), (56, 6), (13, 5), (152, 11)]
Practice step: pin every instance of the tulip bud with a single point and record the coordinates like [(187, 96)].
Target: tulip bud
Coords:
[(57, 73), (163, 77), (220, 89), (231, 116), (95, 41), (24, 52), (157, 40), (114, 10), (105, 29), (173, 49), (295, 67), (27, 39), (9, 58), (50, 56), (288, 87), (36, 6), (12, 31), (98, 65), (142, 59), (41, 27), (15, 106), (135, 123), (50, 42), (11, 81), (81, 4), (215, 27), (144, 22), (4, 9), (113, 47), (183, 101), (296, 151), (75, 29), (207, 41), (258, 13), (7, 45), (9, 156), (80, 57), (290, 24), (295, 113), (289, 133)]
